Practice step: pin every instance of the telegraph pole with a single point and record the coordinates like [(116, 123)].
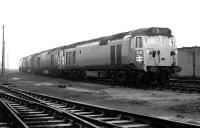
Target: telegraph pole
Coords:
[(3, 55)]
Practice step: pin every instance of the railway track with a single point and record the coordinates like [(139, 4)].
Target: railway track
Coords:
[(8, 119), (186, 86), (36, 115), (181, 87), (191, 86), (100, 116), (178, 85)]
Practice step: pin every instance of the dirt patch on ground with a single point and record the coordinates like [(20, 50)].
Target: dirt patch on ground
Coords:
[(163, 104)]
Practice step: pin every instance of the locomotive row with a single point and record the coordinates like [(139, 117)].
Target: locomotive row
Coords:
[(148, 53)]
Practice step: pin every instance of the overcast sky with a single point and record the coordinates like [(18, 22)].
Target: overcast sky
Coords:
[(35, 25)]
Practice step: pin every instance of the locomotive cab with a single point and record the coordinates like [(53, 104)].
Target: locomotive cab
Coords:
[(160, 55), (156, 51), (160, 51)]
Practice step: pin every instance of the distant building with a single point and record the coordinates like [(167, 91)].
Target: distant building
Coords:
[(189, 61)]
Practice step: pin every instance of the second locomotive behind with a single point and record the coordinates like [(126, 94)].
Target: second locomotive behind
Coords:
[(142, 55)]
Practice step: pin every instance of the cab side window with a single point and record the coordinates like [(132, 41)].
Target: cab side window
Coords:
[(138, 42)]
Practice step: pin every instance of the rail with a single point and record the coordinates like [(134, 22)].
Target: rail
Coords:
[(102, 116), (36, 115)]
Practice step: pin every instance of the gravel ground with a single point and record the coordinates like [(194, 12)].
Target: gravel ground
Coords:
[(163, 104)]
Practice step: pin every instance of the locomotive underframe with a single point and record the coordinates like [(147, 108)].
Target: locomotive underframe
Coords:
[(161, 74), (119, 73)]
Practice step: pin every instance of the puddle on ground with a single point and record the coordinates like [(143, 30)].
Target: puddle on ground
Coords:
[(43, 84), (25, 82), (80, 89), (16, 78)]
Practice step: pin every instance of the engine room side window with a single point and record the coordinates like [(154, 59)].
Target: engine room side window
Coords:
[(38, 61), (138, 42), (74, 57), (52, 60)]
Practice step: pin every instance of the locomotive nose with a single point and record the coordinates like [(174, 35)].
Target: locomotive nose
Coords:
[(159, 57)]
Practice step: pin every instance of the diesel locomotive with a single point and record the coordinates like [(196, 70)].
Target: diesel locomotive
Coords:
[(138, 56)]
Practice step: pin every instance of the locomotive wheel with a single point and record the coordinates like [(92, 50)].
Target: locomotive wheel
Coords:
[(162, 78), (139, 79), (147, 79), (122, 78)]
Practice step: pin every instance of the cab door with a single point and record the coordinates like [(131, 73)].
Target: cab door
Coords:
[(136, 50)]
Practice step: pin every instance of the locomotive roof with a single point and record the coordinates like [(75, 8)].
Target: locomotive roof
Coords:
[(152, 31), (144, 31)]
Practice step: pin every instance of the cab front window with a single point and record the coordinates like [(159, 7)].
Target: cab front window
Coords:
[(153, 40), (163, 41)]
